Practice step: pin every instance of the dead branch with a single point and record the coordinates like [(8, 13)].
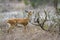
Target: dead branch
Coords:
[(41, 24)]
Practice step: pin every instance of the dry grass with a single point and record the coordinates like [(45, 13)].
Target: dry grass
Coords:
[(33, 33)]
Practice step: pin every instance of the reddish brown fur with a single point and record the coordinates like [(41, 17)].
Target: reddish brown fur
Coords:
[(14, 21)]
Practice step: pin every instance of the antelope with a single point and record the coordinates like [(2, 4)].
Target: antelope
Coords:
[(14, 21)]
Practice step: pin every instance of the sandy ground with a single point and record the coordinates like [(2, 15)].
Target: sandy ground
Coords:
[(33, 33)]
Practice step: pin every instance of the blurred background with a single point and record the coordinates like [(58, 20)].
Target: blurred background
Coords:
[(49, 21)]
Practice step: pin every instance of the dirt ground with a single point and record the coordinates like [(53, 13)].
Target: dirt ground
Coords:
[(33, 33)]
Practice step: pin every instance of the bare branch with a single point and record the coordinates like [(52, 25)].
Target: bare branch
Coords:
[(41, 24)]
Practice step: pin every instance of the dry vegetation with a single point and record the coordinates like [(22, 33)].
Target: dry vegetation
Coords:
[(34, 33)]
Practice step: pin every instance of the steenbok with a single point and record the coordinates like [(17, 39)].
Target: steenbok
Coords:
[(14, 21)]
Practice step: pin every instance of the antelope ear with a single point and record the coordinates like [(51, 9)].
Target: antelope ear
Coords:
[(26, 11)]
